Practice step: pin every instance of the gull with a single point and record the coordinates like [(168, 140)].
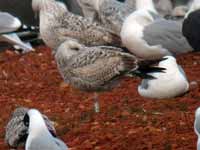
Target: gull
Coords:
[(111, 13), (170, 84), (99, 68), (39, 137), (197, 126), (149, 36), (12, 38), (8, 23), (17, 132), (191, 25), (57, 24), (8, 26)]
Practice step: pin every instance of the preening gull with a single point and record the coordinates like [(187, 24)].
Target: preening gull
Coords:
[(8, 23), (197, 126), (170, 84), (17, 132), (149, 36), (39, 137), (191, 25), (100, 68), (111, 13), (57, 24)]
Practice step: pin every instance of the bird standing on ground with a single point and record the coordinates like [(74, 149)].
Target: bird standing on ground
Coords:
[(39, 137), (100, 68), (17, 132), (170, 84), (57, 24), (149, 36)]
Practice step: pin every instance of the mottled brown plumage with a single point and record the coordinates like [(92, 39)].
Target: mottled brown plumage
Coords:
[(95, 68), (57, 24), (111, 13)]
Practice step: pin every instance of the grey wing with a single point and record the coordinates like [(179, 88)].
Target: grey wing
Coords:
[(95, 68), (8, 22), (168, 34)]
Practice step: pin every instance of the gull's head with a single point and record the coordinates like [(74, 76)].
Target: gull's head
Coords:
[(33, 120), (71, 45), (66, 50), (90, 4)]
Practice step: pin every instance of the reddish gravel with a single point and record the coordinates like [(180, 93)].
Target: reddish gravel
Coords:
[(126, 122)]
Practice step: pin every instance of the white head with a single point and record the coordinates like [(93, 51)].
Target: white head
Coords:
[(35, 123)]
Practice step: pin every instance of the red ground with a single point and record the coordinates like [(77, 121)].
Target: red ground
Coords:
[(126, 122)]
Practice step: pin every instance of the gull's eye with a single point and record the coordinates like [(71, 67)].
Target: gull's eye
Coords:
[(26, 120), (76, 48)]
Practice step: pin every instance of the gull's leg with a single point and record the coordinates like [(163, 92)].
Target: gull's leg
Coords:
[(96, 103)]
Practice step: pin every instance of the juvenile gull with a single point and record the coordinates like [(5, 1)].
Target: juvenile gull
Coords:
[(57, 24), (197, 126), (8, 23), (170, 84), (149, 36), (111, 13), (17, 132), (100, 68), (39, 137), (191, 25)]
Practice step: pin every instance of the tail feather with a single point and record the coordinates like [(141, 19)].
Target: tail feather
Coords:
[(145, 67)]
